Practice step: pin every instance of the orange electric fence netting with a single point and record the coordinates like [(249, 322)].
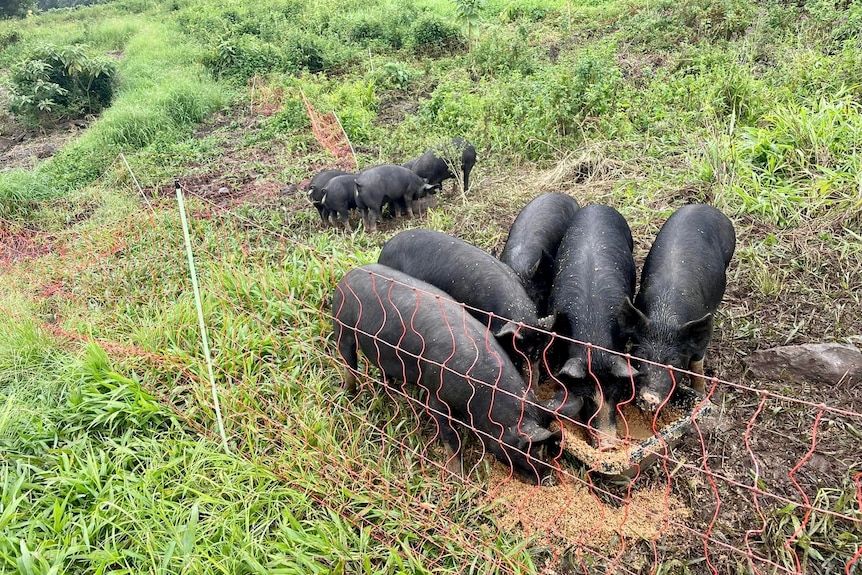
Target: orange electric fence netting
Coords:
[(737, 492)]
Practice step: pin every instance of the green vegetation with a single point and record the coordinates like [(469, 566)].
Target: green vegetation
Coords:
[(109, 459), (54, 83)]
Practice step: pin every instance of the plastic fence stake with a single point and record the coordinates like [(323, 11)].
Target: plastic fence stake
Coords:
[(200, 309)]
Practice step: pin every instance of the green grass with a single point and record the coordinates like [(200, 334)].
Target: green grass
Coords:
[(109, 456)]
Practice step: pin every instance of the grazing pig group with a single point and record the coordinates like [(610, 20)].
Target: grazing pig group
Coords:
[(409, 189), (387, 185), (436, 165), (466, 328)]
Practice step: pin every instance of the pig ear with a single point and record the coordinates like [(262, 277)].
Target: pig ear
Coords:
[(538, 434), (568, 408), (620, 368), (574, 368), (534, 268), (510, 328), (631, 318), (697, 332), (541, 435)]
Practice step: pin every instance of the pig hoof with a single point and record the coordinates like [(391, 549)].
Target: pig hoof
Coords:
[(453, 466)]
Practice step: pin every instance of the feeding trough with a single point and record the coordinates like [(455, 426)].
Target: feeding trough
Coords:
[(643, 436)]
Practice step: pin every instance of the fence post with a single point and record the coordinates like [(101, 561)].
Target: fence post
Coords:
[(200, 310)]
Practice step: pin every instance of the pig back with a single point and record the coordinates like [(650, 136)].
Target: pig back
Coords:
[(379, 184), (685, 270), (412, 331), (533, 240), (595, 273), (467, 273)]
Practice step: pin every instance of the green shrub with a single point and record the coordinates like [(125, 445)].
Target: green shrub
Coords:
[(531, 11), (454, 108), (356, 105), (500, 51), (394, 75), (54, 83), (242, 57), (303, 50), (290, 118), (667, 24), (429, 30), (469, 15), (8, 37)]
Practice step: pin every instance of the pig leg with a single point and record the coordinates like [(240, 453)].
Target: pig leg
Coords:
[(344, 216), (454, 463), (698, 383), (373, 217), (347, 349), (367, 219), (450, 438)]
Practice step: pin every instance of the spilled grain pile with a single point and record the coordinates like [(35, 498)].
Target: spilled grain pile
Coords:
[(573, 511)]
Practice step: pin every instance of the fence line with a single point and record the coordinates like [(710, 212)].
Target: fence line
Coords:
[(715, 478)]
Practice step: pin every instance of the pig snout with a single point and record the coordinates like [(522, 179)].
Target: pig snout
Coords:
[(649, 399)]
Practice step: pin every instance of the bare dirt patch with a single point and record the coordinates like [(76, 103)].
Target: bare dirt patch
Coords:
[(24, 147)]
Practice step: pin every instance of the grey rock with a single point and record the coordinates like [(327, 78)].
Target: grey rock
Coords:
[(825, 363)]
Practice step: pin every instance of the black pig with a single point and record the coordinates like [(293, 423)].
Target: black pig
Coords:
[(417, 334), (682, 283), (315, 191), (595, 276), (534, 237), (339, 197), (473, 277), (436, 164), (387, 184)]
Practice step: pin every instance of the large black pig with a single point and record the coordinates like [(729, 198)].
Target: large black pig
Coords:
[(595, 277), (436, 164), (387, 184), (315, 191), (534, 237), (682, 284), (475, 278), (339, 197), (417, 334)]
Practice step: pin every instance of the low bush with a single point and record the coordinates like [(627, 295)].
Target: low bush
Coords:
[(429, 30), (54, 83)]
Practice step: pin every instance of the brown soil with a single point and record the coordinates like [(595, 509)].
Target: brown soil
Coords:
[(24, 147)]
